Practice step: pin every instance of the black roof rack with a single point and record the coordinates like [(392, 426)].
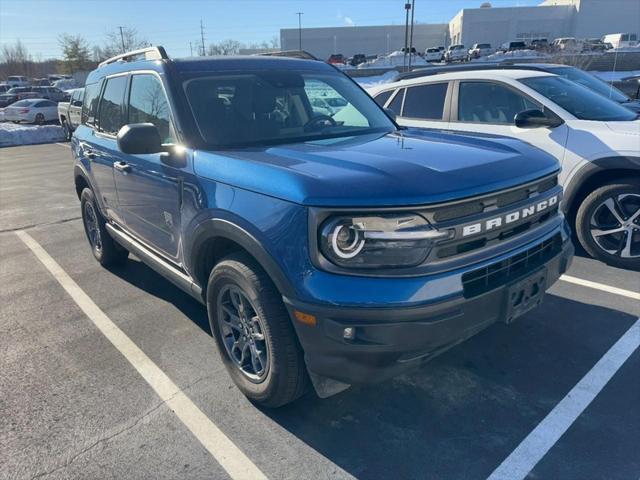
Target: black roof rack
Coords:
[(149, 53), (469, 67), (303, 54)]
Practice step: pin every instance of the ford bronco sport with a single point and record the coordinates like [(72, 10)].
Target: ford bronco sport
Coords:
[(332, 248)]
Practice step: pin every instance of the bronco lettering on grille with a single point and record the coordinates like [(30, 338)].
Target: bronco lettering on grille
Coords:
[(511, 217)]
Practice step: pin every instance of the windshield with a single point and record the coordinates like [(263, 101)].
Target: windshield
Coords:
[(280, 106), (589, 81), (579, 101)]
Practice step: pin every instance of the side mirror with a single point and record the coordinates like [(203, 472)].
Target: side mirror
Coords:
[(391, 113), (139, 139), (535, 119)]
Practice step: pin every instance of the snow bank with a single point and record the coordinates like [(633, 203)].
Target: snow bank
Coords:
[(511, 55), (12, 134), (368, 82), (394, 59)]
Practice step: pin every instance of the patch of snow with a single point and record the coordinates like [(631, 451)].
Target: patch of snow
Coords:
[(615, 76), (1, 114), (12, 134), (624, 49), (368, 82), (513, 54), (394, 59)]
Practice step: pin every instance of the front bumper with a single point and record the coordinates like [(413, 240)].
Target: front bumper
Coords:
[(390, 340)]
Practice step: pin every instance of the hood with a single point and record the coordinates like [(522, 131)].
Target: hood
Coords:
[(629, 128), (409, 167)]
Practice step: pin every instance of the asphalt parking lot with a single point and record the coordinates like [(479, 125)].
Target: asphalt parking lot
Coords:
[(554, 395)]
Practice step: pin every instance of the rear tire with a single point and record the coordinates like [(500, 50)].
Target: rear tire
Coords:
[(595, 216), (281, 376), (67, 131), (104, 248)]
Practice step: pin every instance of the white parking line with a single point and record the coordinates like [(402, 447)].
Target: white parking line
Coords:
[(228, 455), (65, 145), (535, 446), (602, 286)]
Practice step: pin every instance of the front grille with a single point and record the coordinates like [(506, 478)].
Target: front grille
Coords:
[(500, 200), (451, 249), (500, 273)]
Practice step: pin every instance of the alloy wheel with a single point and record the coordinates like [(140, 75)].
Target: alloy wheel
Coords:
[(92, 227), (615, 225), (242, 331)]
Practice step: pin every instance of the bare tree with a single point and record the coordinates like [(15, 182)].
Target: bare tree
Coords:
[(16, 58), (117, 43), (225, 47)]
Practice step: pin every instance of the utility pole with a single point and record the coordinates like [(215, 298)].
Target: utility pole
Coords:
[(202, 37), (413, 9), (407, 7), (190, 49), (299, 29), (124, 49)]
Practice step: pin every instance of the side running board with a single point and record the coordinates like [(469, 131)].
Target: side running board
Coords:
[(154, 261)]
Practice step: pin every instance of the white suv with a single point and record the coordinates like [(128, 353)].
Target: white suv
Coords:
[(596, 140)]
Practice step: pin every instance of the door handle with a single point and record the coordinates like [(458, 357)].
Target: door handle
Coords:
[(121, 166), (91, 155)]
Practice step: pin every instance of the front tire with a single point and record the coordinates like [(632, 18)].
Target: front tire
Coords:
[(104, 248), (608, 223), (254, 334)]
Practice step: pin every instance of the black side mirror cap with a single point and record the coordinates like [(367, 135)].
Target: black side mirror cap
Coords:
[(139, 139), (535, 118)]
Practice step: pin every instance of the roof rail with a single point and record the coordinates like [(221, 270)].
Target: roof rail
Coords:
[(303, 54), (149, 53)]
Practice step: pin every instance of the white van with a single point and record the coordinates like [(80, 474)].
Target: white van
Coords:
[(621, 40)]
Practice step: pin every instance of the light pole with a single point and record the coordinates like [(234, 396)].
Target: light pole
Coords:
[(407, 7), (299, 29), (413, 9)]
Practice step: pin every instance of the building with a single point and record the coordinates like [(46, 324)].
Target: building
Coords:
[(551, 19), (322, 42)]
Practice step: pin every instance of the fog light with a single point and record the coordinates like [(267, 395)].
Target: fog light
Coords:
[(349, 333)]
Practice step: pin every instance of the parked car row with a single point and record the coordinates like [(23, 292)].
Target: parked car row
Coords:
[(590, 127), (15, 94)]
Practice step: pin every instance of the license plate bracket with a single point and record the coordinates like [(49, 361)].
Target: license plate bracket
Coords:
[(525, 295)]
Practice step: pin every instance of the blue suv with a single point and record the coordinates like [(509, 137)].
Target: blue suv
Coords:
[(329, 245)]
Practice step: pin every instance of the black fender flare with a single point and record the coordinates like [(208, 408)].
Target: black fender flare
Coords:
[(218, 228), (596, 167)]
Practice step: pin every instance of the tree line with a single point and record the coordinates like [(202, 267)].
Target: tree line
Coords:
[(79, 55)]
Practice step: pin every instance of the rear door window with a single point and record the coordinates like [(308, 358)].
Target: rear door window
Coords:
[(425, 101), (90, 103), (111, 115)]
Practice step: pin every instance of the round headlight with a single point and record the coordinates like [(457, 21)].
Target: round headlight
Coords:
[(377, 241), (346, 241)]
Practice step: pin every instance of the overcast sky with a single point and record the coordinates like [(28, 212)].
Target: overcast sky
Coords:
[(174, 24)]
